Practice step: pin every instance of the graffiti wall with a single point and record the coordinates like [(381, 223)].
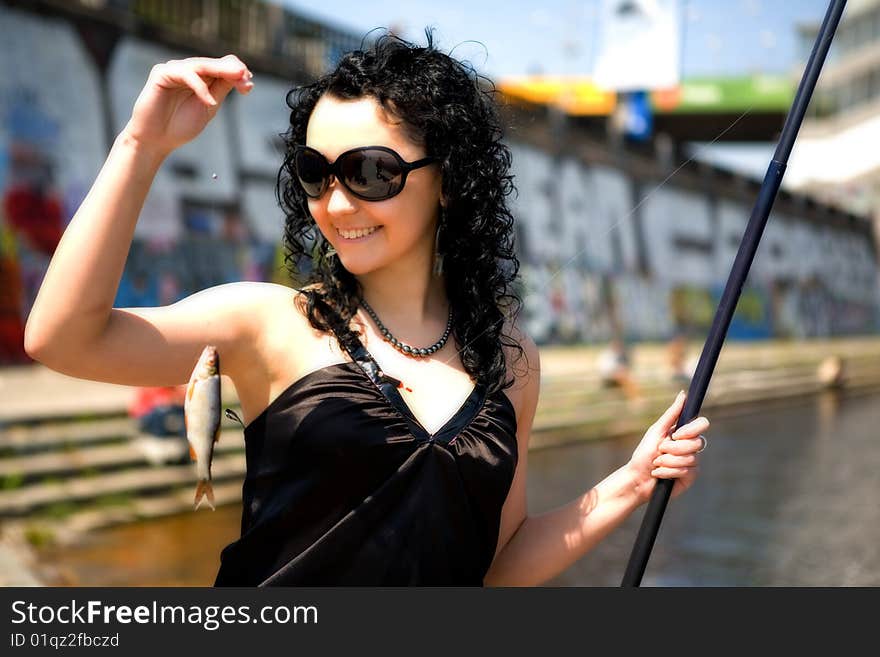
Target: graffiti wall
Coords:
[(651, 260), (601, 253), (51, 147)]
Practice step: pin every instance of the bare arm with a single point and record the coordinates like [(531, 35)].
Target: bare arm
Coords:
[(545, 545), (72, 326), (160, 346), (73, 305), (534, 549)]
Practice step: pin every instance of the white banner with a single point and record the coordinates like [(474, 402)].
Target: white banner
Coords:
[(638, 45)]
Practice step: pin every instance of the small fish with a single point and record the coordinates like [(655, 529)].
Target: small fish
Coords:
[(201, 410)]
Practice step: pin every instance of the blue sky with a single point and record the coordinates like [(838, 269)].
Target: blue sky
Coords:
[(722, 37)]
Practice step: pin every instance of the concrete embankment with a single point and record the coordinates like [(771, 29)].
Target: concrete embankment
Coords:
[(71, 460)]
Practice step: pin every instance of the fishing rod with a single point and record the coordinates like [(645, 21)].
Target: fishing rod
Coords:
[(638, 559)]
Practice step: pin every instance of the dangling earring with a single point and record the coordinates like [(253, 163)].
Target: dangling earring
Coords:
[(438, 257)]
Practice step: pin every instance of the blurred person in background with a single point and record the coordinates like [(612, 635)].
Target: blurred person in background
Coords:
[(615, 370), (161, 434), (681, 369)]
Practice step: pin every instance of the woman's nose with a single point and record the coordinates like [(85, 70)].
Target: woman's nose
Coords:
[(338, 201)]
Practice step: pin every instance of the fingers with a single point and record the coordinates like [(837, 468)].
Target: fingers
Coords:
[(673, 466), (681, 447), (678, 457), (198, 86), (222, 76), (678, 451), (666, 421), (220, 88), (228, 72), (670, 473), (692, 429), (673, 461), (228, 67)]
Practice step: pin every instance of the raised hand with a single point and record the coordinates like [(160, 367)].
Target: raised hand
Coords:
[(181, 97)]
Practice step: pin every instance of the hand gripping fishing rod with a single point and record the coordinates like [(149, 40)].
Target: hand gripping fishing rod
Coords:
[(699, 384)]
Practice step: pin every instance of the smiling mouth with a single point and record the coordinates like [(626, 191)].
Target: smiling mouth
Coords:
[(357, 234)]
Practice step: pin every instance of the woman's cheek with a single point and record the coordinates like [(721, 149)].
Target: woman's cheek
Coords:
[(321, 221), (314, 210)]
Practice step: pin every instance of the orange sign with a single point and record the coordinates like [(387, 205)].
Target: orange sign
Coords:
[(575, 95)]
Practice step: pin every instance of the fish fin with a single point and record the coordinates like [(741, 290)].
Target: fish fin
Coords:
[(192, 454), (232, 415), (204, 491)]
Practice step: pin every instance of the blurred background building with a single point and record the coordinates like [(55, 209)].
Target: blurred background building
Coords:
[(835, 159), (611, 242)]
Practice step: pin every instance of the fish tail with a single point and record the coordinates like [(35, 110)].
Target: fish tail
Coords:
[(204, 491)]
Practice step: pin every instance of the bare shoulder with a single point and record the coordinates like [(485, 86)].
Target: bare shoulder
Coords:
[(288, 344), (270, 312), (243, 294), (523, 365), (243, 306), (277, 342), (244, 311), (287, 310), (524, 358)]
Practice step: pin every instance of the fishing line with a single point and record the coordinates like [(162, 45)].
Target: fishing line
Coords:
[(542, 288)]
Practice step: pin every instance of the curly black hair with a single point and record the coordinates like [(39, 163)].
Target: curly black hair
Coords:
[(444, 107)]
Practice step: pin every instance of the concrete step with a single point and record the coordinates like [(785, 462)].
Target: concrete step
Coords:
[(176, 500), (56, 435), (71, 528), (134, 481), (555, 399), (135, 451), (36, 393), (557, 425), (28, 437)]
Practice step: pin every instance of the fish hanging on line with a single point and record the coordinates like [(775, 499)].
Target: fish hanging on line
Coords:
[(201, 410)]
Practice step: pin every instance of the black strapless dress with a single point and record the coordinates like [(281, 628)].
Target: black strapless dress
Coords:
[(345, 487)]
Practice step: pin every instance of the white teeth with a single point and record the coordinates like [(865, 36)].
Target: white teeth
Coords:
[(353, 234)]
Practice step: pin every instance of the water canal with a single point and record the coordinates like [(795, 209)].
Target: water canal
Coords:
[(788, 495)]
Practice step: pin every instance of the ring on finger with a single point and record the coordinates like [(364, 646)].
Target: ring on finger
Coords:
[(704, 443)]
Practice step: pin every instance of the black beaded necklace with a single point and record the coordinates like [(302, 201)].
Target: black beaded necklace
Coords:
[(406, 349)]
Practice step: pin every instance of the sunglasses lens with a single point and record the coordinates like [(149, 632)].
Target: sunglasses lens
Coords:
[(372, 174), (311, 169)]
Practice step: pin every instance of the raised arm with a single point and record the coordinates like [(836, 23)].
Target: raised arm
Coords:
[(72, 326)]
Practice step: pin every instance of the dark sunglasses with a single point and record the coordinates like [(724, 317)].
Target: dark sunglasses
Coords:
[(371, 173)]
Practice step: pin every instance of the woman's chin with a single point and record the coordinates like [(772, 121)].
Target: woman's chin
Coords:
[(359, 266)]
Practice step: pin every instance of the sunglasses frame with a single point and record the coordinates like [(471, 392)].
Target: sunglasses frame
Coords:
[(334, 169)]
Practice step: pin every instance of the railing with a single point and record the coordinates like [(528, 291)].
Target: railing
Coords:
[(246, 27)]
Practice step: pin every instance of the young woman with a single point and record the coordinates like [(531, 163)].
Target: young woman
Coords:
[(388, 396)]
